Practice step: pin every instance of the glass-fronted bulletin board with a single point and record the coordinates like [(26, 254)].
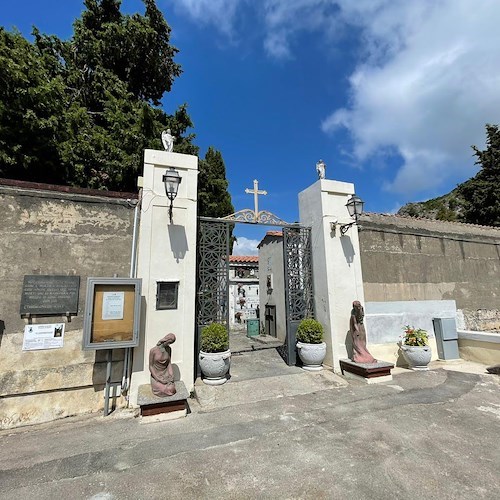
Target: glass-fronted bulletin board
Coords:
[(112, 313)]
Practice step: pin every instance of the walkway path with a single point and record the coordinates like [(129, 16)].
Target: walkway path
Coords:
[(424, 435)]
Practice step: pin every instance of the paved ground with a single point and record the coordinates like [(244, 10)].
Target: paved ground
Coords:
[(426, 435)]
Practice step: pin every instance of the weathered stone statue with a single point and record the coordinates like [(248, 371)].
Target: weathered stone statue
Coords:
[(360, 353), (321, 169), (162, 372), (168, 140)]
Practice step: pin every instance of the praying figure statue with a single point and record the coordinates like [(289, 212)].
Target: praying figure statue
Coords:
[(160, 366), (360, 353), (321, 169), (168, 140)]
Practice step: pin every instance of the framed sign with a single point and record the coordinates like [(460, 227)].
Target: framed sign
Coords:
[(112, 313), (50, 295)]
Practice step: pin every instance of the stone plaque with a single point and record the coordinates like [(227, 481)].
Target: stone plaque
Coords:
[(46, 294)]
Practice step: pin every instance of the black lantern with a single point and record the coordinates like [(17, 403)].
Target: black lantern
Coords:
[(355, 208), (171, 179)]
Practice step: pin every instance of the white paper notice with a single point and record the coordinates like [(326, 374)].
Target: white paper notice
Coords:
[(112, 305), (43, 337)]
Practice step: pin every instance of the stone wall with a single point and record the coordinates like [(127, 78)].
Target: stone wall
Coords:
[(56, 230), (414, 259)]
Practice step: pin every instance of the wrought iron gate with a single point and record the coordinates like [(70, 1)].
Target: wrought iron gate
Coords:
[(213, 279), (213, 276), (299, 291)]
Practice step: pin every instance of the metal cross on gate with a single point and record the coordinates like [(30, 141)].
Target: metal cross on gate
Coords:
[(255, 191)]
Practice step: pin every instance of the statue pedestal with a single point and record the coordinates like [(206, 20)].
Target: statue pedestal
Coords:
[(156, 409), (370, 373)]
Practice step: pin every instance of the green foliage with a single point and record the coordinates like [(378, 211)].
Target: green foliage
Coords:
[(214, 338), (482, 192), (477, 200), (214, 199), (310, 331), (32, 107), (82, 111), (448, 208), (415, 336)]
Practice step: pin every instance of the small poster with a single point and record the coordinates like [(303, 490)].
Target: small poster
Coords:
[(112, 305), (50, 336)]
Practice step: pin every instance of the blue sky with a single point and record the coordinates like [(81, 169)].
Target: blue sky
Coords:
[(391, 94)]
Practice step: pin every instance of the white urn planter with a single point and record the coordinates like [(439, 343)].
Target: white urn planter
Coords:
[(312, 355), (215, 366), (417, 357)]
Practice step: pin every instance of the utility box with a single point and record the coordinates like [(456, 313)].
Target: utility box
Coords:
[(252, 327), (445, 330)]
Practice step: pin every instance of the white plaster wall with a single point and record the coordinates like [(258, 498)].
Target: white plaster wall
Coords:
[(337, 273), (251, 287), (271, 262), (385, 322), (167, 252)]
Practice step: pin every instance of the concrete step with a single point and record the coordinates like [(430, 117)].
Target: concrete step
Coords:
[(246, 391)]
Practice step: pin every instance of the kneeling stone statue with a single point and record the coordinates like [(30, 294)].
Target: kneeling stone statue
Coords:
[(160, 367)]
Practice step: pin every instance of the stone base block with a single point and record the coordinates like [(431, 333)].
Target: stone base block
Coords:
[(374, 380), (175, 406), (370, 373), (163, 417)]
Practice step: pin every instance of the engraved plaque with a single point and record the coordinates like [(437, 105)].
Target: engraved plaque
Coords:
[(47, 294)]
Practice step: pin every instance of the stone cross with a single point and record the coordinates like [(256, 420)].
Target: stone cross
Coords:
[(256, 193)]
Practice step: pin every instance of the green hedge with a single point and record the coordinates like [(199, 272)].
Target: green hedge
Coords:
[(214, 338), (310, 331)]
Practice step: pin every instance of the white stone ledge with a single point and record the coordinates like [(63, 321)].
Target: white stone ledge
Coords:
[(479, 336)]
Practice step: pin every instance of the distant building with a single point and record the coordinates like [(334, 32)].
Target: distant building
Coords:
[(272, 285), (243, 288)]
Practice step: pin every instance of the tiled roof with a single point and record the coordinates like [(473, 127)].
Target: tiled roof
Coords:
[(244, 259)]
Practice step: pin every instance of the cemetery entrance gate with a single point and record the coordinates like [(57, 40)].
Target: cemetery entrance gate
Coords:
[(212, 303)]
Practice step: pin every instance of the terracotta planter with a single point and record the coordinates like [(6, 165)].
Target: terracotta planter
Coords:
[(417, 357), (215, 366), (311, 355)]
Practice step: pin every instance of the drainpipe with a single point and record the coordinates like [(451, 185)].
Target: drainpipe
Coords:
[(127, 363)]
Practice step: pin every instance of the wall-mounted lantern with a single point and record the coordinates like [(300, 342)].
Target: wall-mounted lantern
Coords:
[(171, 179), (355, 208)]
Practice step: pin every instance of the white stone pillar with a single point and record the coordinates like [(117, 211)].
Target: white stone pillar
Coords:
[(167, 253), (336, 261)]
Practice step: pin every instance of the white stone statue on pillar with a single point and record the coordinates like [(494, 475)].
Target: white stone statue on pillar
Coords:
[(168, 140), (321, 169)]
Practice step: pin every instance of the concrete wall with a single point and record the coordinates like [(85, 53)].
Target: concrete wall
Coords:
[(271, 263), (412, 259), (479, 347), (384, 323), (54, 230)]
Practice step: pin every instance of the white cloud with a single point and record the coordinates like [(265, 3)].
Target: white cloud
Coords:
[(426, 82), (245, 246), (428, 85), (220, 13)]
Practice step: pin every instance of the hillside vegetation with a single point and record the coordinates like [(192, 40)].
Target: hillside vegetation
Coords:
[(477, 200)]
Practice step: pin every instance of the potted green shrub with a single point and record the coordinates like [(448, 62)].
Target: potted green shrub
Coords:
[(214, 356), (310, 345), (415, 348)]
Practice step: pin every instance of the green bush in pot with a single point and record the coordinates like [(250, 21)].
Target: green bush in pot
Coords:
[(310, 331), (214, 338)]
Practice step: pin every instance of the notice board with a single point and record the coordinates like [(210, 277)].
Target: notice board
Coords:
[(112, 311)]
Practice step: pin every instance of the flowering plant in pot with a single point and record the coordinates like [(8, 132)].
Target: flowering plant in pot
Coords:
[(415, 348), (310, 345), (214, 356)]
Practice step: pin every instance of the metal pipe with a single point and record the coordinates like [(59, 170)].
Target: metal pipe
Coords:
[(127, 362), (109, 358)]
